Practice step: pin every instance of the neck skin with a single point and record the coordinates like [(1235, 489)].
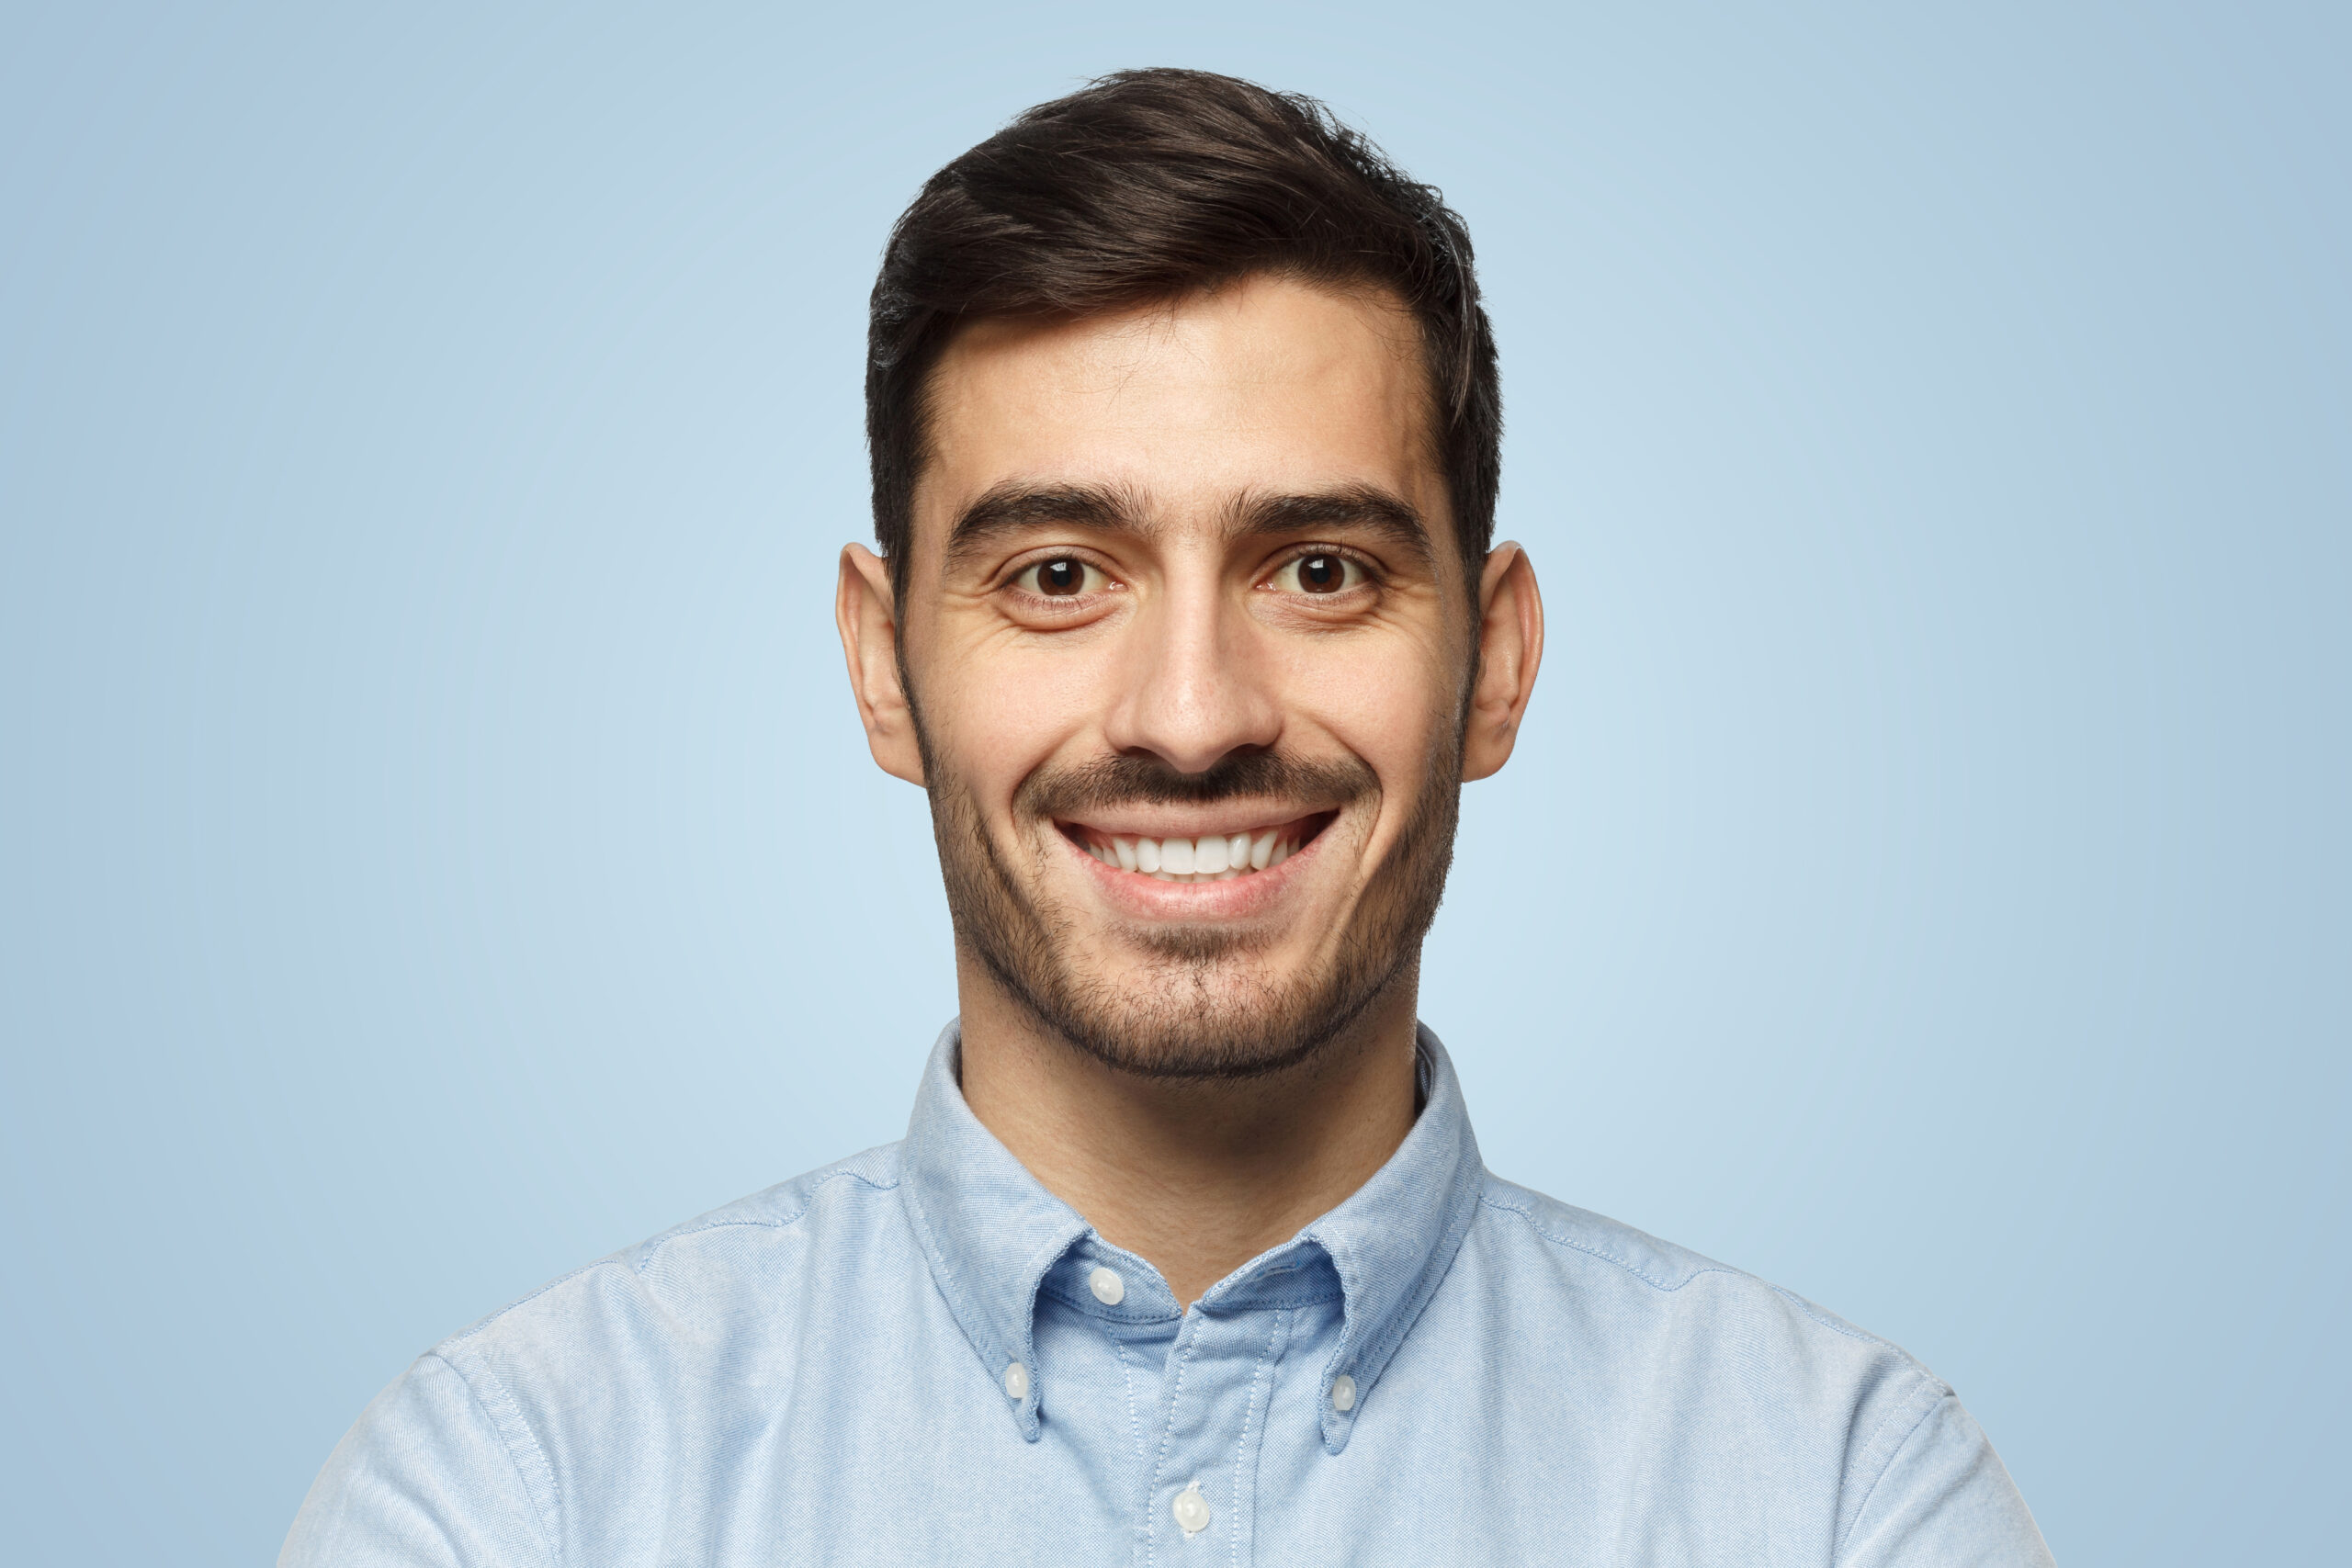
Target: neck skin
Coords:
[(1194, 1177)]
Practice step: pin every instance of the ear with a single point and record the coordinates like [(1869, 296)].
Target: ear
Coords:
[(864, 609), (1511, 645)]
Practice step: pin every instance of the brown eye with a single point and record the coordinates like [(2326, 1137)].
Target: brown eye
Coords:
[(1064, 577), (1319, 573)]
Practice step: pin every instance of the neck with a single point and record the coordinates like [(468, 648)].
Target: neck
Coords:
[(1196, 1177)]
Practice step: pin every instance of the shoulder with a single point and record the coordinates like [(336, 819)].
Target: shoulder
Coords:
[(1625, 1285), (499, 1435), (1655, 1336), (1658, 1264), (810, 1209), (732, 1265), (1575, 1235)]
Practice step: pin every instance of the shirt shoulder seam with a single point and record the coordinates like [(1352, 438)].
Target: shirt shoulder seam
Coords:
[(808, 1201), (510, 1425), (692, 1227), (1529, 1220), (1812, 1311)]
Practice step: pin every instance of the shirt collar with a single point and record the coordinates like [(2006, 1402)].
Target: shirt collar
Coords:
[(992, 1232)]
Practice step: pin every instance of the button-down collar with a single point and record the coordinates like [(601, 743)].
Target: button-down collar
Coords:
[(991, 1233)]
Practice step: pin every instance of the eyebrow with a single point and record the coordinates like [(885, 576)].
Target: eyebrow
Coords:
[(1368, 507), (1007, 508)]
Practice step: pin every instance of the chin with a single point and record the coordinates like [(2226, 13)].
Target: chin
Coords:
[(1195, 1017)]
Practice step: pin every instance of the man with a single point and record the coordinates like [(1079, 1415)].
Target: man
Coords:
[(1184, 424)]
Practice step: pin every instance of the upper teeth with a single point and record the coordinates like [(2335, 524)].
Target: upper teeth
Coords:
[(1213, 857)]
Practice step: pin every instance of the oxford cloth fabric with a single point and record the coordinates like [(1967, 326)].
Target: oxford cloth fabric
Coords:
[(915, 1356)]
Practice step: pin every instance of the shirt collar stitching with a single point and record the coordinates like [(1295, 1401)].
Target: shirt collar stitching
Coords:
[(1386, 1273)]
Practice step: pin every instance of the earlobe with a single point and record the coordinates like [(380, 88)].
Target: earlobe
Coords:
[(865, 612), (1510, 646)]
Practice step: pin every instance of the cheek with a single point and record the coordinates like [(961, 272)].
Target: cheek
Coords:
[(999, 714), (1387, 702)]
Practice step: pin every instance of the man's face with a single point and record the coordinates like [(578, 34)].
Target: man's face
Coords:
[(1187, 640)]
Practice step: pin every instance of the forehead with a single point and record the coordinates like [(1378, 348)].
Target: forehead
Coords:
[(1265, 385)]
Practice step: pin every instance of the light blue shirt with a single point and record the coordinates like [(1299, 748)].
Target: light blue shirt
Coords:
[(921, 1356)]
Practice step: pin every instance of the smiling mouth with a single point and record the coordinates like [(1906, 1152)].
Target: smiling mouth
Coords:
[(1207, 857)]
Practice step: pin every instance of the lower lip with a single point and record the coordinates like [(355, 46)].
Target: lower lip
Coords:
[(1154, 899)]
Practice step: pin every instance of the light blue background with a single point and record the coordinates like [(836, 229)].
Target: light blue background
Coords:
[(437, 846)]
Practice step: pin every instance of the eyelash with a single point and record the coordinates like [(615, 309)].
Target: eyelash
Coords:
[(1016, 578), (1371, 574)]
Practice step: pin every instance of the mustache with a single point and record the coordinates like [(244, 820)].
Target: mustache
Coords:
[(1123, 780)]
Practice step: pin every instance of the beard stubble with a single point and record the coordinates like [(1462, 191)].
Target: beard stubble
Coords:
[(1208, 1009)]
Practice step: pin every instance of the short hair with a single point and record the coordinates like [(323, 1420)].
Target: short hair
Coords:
[(1148, 184)]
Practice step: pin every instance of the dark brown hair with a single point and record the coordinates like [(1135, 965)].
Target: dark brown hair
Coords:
[(1147, 184)]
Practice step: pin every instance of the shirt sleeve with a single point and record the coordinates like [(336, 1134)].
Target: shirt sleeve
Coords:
[(424, 1480), (1945, 1501)]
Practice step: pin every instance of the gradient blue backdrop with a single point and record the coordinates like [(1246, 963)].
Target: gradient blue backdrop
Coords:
[(437, 846)]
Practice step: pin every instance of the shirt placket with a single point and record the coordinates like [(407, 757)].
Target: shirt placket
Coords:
[(1201, 1503)]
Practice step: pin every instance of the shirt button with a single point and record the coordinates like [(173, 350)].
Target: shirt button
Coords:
[(1108, 1287), (1191, 1509), (1343, 1393), (1016, 1381)]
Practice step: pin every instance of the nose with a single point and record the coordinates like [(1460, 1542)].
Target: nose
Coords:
[(1195, 681)]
